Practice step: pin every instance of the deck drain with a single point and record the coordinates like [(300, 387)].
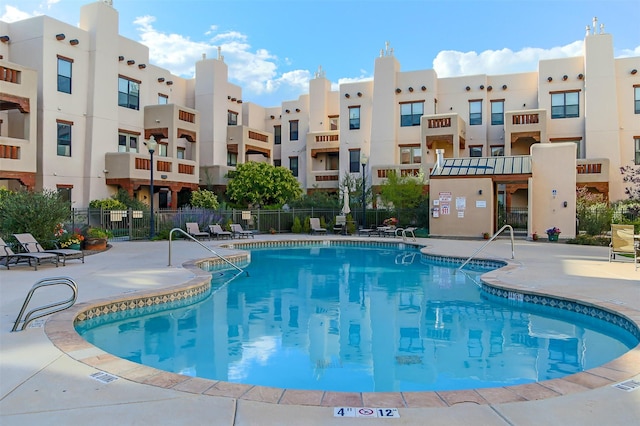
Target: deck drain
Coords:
[(103, 377), (628, 386)]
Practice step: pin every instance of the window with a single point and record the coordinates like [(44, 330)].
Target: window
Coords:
[(333, 161), (127, 142), (410, 155), (163, 99), (565, 105), (162, 149), (354, 118), (293, 131), (410, 113), (64, 138), (475, 151), (180, 154), (293, 165), (334, 123), (475, 113), (128, 93), (636, 98), (232, 118), (497, 112), (64, 74), (232, 159), (277, 163), (497, 151), (277, 135), (64, 192), (354, 161), (636, 142)]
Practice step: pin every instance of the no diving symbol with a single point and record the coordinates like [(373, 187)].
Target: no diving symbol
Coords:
[(366, 412)]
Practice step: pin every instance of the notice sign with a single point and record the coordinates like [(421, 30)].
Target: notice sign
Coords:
[(445, 208), (444, 196), (461, 203), (391, 413), (481, 204)]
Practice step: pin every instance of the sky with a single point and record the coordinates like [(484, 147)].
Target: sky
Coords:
[(274, 47)]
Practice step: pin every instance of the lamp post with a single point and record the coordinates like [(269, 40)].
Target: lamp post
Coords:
[(152, 145), (363, 161)]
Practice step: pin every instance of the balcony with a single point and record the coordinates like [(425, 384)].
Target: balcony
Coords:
[(323, 142), (136, 166), (593, 170), (324, 179), (444, 131), (248, 142), (381, 172), (523, 129)]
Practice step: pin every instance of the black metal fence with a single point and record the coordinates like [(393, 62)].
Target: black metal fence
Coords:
[(134, 224)]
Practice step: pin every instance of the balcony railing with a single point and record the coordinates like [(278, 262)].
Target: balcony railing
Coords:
[(10, 152), (436, 123), (9, 75), (518, 119)]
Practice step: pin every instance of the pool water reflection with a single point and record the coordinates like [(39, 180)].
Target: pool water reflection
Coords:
[(360, 319)]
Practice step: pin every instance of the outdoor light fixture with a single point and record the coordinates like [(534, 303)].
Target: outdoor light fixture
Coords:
[(152, 145)]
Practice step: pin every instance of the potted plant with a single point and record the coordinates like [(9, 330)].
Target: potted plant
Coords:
[(272, 231), (96, 239), (392, 222), (553, 233), (534, 236), (71, 240), (485, 235)]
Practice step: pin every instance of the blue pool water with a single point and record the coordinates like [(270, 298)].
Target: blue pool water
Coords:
[(359, 319)]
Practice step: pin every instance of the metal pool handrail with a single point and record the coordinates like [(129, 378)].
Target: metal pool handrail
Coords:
[(59, 306), (202, 245), (513, 256)]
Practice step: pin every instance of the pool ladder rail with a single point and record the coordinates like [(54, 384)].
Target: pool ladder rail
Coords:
[(513, 256), (209, 249), (48, 309)]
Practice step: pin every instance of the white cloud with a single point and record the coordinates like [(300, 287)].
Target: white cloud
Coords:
[(13, 14), (450, 63)]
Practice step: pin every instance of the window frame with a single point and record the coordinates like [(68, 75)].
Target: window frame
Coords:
[(294, 130), (410, 118), (129, 95), (497, 117), (232, 118), (493, 149), (473, 149), (354, 117), (475, 117), (127, 137), (354, 160), (636, 140), (277, 134), (232, 159), (64, 144), (559, 111), (294, 166), (62, 77), (636, 98), (163, 99), (414, 154)]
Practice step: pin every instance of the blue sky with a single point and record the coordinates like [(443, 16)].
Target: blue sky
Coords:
[(273, 47)]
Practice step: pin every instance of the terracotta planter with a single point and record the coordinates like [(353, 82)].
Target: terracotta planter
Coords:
[(95, 243)]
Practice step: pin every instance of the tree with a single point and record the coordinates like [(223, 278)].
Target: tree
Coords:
[(261, 184), (631, 176), (38, 213), (403, 192), (204, 199)]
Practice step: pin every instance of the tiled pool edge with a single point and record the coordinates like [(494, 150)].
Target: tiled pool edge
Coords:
[(60, 331)]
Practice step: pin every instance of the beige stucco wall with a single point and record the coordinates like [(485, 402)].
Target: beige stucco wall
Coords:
[(470, 212), (552, 184)]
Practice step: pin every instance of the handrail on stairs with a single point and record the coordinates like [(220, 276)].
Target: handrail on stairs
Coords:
[(487, 243), (205, 247), (60, 306)]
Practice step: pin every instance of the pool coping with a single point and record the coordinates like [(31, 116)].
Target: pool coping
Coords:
[(59, 329)]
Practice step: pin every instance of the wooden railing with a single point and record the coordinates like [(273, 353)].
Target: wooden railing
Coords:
[(384, 173), (327, 138), (258, 136), (589, 168), (324, 178), (10, 151), (143, 164), (186, 169), (436, 123), (186, 116), (9, 75), (164, 166), (525, 119)]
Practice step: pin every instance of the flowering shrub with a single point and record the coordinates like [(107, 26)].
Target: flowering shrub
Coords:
[(392, 221), (553, 231)]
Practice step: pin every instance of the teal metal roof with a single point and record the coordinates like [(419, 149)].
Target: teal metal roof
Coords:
[(484, 166)]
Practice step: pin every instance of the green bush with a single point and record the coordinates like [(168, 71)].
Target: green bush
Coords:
[(204, 199), (37, 213), (107, 204), (296, 228)]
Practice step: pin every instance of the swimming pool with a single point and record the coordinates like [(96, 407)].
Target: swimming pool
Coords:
[(359, 318)]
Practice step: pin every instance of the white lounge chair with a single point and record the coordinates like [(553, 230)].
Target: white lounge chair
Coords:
[(31, 245), (193, 229), (623, 243), (216, 231), (314, 223), (9, 255), (237, 230)]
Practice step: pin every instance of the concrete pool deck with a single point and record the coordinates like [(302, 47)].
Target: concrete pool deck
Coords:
[(41, 384)]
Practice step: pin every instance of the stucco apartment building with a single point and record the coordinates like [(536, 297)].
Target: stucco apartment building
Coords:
[(79, 102)]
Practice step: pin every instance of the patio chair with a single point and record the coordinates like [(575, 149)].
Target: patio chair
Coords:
[(237, 230), (216, 231), (193, 229), (340, 227), (8, 254), (31, 245), (314, 223), (622, 242)]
